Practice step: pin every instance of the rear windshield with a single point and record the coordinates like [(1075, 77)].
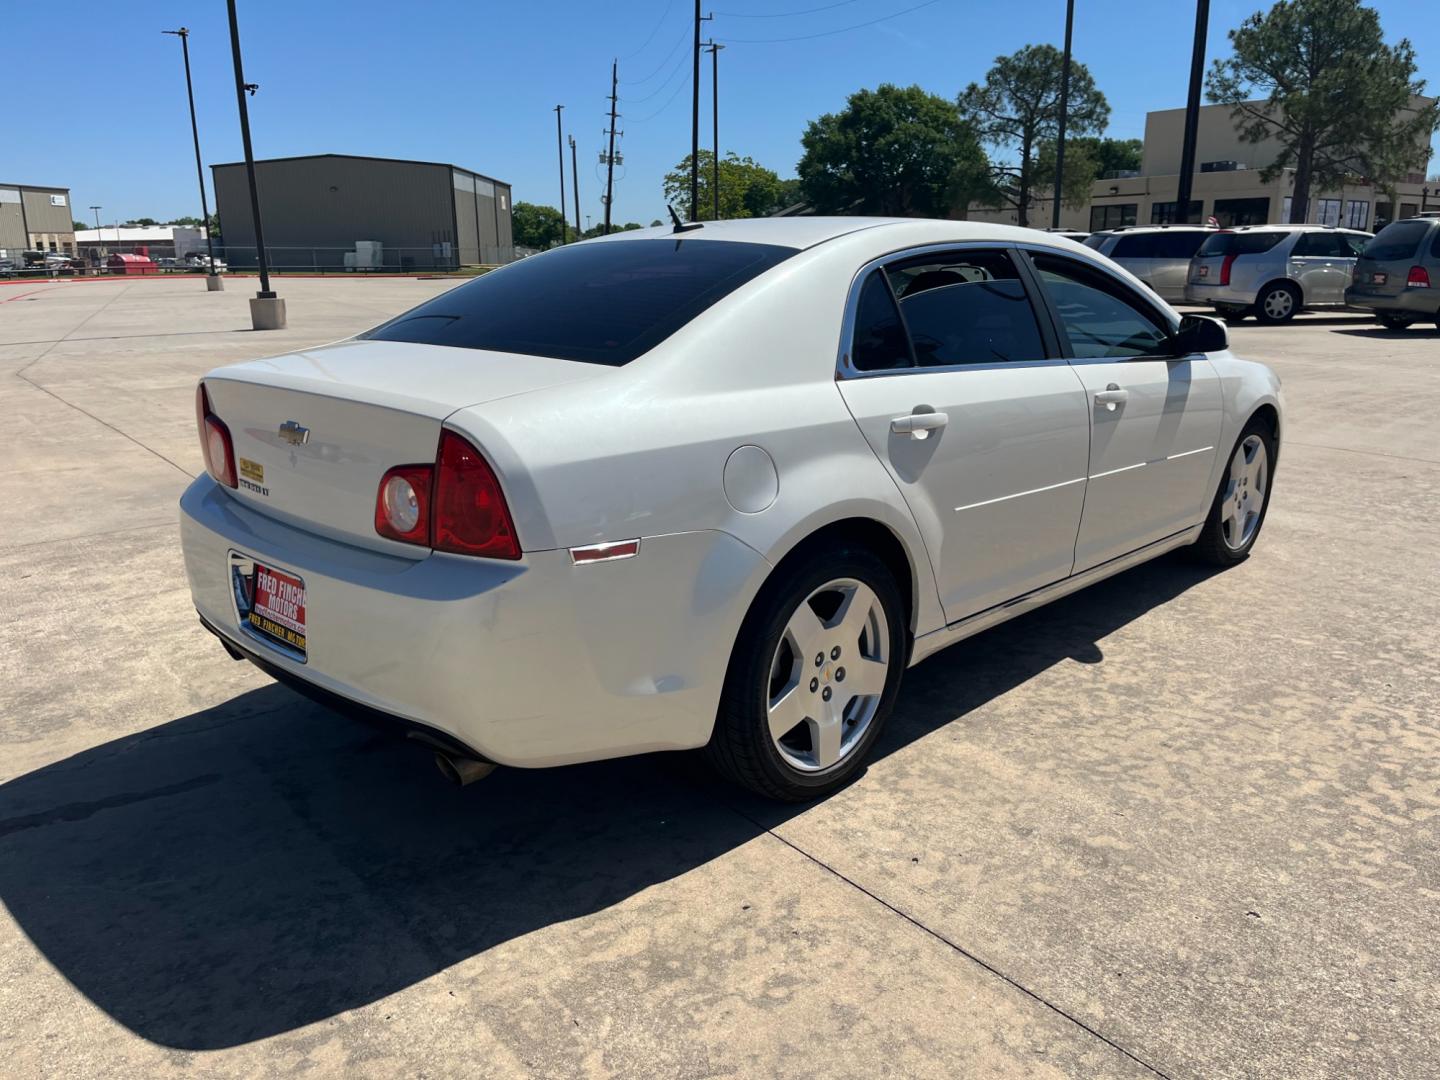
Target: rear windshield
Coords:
[(1232, 243), (603, 303), (1398, 240)]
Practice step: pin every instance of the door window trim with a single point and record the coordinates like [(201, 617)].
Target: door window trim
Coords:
[(1161, 317), (1039, 305)]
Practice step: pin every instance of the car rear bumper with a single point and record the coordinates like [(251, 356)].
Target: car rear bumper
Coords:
[(1422, 302), (1219, 295), (528, 663)]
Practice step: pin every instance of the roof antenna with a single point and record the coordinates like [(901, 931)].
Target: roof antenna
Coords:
[(679, 225)]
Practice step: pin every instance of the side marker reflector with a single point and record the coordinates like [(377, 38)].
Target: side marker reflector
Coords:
[(619, 549)]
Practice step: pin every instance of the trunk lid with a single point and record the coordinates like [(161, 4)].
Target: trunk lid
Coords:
[(315, 431)]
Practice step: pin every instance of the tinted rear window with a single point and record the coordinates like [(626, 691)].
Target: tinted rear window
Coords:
[(1239, 243), (1398, 240), (603, 303), (1095, 240)]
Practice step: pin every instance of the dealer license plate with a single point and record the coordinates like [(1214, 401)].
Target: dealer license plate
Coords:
[(277, 607)]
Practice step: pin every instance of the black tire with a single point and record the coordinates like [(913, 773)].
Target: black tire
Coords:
[(1263, 304), (1212, 547), (740, 748), (1396, 322)]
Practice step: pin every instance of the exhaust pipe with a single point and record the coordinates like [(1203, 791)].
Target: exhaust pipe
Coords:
[(462, 770)]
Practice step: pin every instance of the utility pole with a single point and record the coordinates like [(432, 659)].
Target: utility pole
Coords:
[(1192, 113), (575, 183), (97, 210), (213, 281), (1064, 108), (610, 157), (560, 147), (715, 47), (695, 119), (267, 311)]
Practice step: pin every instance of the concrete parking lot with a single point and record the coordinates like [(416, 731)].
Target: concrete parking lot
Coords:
[(1183, 824)]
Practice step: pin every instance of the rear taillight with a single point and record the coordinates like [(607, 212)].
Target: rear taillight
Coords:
[(215, 444), (402, 505), (1225, 269), (455, 505), (471, 517), (1419, 278)]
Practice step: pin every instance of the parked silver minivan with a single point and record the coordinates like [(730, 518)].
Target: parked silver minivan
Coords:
[(1158, 255), (1274, 271), (1398, 274)]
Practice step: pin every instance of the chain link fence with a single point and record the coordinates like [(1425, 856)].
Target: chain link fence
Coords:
[(362, 257)]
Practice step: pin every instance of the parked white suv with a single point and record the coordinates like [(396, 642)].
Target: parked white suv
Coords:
[(1158, 255), (1274, 271)]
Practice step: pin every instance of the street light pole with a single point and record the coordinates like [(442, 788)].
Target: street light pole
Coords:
[(267, 311), (575, 185), (213, 281), (560, 148), (97, 210), (715, 48), (1192, 113), (1064, 108)]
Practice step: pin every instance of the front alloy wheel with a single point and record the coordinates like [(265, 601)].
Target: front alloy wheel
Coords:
[(1244, 498)]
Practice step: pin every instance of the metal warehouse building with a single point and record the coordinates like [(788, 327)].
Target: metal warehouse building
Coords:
[(35, 219), (337, 211)]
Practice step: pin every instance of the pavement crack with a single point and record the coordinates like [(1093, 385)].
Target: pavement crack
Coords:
[(956, 947), (79, 811), (1367, 453)]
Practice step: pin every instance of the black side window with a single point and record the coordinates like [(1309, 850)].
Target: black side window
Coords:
[(1435, 246), (1178, 245), (1102, 318), (1135, 247), (880, 342), (1322, 245), (967, 307)]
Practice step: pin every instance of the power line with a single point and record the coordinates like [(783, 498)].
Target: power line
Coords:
[(668, 101), (659, 23), (665, 84), (663, 63), (827, 33), (784, 14)]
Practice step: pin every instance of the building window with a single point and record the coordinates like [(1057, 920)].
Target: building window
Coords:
[(1112, 217), (1232, 212), (1409, 209), (1164, 213), (1327, 212), (1357, 214)]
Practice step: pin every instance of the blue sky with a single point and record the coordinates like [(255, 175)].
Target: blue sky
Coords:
[(473, 81)]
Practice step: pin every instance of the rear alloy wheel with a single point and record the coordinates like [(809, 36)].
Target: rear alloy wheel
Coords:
[(1396, 322), (1277, 304), (1239, 507), (814, 674)]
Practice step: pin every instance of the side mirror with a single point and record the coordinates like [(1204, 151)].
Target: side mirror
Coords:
[(1200, 334)]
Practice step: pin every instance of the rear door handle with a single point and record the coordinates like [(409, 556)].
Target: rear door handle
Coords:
[(919, 425), (1111, 397)]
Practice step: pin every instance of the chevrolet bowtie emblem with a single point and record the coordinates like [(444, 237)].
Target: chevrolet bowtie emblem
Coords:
[(294, 434)]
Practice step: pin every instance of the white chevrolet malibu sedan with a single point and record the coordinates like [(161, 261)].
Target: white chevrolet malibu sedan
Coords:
[(713, 487)]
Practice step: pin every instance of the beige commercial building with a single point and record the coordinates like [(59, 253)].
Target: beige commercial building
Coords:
[(1227, 185), (35, 218)]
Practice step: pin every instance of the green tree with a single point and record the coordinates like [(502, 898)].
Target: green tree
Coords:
[(78, 225), (536, 226), (892, 151), (141, 222), (1017, 110), (1337, 99), (599, 230), (1087, 159), (747, 188), (191, 221)]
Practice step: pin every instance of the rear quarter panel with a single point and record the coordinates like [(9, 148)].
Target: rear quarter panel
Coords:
[(644, 453)]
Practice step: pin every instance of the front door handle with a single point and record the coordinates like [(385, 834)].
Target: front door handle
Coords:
[(919, 425), (1112, 396)]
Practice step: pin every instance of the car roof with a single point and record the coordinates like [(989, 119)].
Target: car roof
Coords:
[(806, 232), (1294, 228), (1131, 230)]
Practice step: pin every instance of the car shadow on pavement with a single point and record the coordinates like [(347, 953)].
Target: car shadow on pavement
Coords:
[(266, 864)]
